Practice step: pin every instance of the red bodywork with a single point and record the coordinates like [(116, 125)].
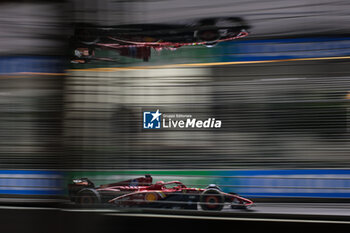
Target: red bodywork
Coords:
[(140, 192), (142, 50), (159, 45), (159, 192)]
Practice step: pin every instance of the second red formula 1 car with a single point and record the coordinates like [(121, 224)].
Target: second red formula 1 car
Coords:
[(141, 192), (138, 40)]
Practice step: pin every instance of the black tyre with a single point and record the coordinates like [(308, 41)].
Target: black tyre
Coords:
[(208, 31), (87, 36), (208, 35), (212, 199), (223, 22), (88, 197)]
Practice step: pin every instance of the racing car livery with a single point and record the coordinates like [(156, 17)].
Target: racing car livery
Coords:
[(137, 40), (140, 192)]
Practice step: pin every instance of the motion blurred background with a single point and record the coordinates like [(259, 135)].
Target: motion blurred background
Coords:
[(282, 94)]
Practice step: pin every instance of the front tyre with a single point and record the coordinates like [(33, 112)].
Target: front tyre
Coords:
[(88, 197), (207, 35), (212, 199)]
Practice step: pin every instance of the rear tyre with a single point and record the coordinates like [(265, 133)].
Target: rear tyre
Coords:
[(87, 36), (212, 199), (208, 35), (88, 197), (212, 29)]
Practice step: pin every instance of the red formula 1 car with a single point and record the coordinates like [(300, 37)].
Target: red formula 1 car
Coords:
[(141, 192), (137, 40)]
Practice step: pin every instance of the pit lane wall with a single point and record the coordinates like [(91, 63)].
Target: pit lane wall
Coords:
[(305, 183)]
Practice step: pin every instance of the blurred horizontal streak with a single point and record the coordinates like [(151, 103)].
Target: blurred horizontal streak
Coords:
[(31, 189), (205, 64), (26, 182), (268, 18), (281, 115), (30, 75), (32, 177), (40, 73), (27, 199), (31, 116), (213, 218)]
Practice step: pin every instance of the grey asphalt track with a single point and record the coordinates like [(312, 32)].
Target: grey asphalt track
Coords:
[(260, 209), (53, 220), (324, 209)]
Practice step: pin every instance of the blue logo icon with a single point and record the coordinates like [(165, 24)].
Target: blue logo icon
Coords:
[(151, 120)]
